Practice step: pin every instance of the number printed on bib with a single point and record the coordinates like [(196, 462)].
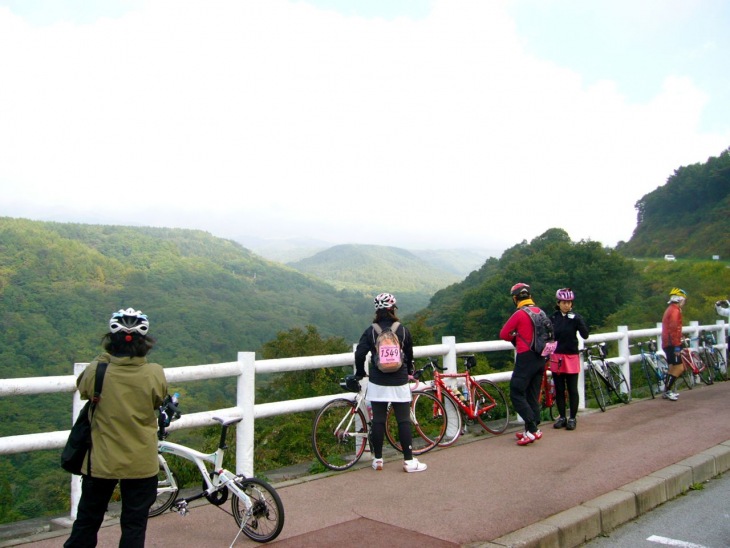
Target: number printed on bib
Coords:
[(389, 354)]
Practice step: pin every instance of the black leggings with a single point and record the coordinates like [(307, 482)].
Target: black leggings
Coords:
[(567, 381), (377, 431), (524, 388)]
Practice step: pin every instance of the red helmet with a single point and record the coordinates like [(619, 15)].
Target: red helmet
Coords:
[(565, 294), (520, 290)]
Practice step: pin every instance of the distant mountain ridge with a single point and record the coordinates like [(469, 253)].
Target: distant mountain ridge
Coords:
[(459, 261), (370, 267)]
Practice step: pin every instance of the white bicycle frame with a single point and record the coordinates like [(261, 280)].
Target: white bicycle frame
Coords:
[(221, 479), (345, 425)]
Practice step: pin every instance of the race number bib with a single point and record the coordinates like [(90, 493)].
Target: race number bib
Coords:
[(389, 354)]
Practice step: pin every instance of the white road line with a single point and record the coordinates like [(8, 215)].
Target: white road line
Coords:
[(673, 542)]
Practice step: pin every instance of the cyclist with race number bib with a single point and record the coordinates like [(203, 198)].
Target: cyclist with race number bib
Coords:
[(388, 387), (524, 387), (672, 340), (564, 363), (124, 432)]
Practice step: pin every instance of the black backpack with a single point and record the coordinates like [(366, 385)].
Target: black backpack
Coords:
[(543, 334)]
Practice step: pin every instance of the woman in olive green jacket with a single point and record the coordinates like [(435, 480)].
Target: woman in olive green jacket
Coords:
[(123, 432)]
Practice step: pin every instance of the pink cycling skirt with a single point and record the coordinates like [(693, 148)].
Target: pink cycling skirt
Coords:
[(564, 363)]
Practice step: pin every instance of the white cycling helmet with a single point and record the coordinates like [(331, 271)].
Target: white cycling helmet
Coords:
[(384, 300), (129, 321)]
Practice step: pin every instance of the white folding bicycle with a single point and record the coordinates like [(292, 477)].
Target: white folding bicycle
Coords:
[(255, 505)]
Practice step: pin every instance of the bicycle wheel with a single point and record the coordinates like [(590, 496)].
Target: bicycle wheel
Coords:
[(490, 406), (454, 421), (662, 370), (339, 434), (554, 413), (619, 385), (705, 367), (720, 366), (167, 490), (428, 423), (597, 388), (652, 376), (264, 521), (687, 375), (553, 409)]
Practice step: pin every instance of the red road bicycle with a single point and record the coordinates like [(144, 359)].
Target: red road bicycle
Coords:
[(548, 396), (694, 365), (466, 399)]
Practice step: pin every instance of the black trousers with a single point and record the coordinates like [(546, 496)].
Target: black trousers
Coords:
[(137, 497), (524, 388), (402, 412), (569, 381)]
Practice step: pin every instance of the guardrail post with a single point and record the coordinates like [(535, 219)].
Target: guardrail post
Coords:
[(625, 352), (722, 335), (246, 401), (658, 339), (694, 334), (450, 356)]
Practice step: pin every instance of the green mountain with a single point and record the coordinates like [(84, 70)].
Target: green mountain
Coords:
[(372, 269), (688, 217), (60, 282)]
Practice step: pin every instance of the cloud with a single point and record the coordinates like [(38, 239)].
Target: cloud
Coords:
[(277, 118)]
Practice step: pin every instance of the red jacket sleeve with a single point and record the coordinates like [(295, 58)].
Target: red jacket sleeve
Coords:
[(522, 324)]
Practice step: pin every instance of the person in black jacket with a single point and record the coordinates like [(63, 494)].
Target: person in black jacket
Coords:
[(564, 363), (383, 388)]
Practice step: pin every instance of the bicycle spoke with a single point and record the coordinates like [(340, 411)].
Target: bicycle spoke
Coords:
[(491, 407), (339, 434), (597, 388), (166, 493), (720, 365), (652, 376), (428, 423), (428, 420), (454, 422), (265, 519), (620, 386)]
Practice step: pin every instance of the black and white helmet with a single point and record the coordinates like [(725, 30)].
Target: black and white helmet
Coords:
[(384, 300), (129, 321)]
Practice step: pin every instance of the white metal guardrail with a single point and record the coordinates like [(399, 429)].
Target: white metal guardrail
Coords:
[(247, 367)]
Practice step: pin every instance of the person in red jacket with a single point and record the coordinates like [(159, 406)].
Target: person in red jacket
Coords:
[(672, 340), (524, 387)]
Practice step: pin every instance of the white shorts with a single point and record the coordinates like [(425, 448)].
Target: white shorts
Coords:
[(377, 392)]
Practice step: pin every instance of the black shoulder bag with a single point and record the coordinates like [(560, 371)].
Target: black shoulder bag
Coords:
[(79, 440)]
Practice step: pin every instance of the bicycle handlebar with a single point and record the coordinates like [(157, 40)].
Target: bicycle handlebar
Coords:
[(601, 350), (168, 412)]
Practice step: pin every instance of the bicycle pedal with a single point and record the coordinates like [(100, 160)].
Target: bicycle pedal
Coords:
[(182, 508)]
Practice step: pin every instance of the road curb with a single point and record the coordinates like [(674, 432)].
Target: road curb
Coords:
[(603, 514)]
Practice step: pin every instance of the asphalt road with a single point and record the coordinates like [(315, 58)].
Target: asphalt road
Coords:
[(699, 519)]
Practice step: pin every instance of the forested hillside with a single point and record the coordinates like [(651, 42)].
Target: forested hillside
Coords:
[(207, 299), (688, 217), (610, 289), (372, 269), (60, 282)]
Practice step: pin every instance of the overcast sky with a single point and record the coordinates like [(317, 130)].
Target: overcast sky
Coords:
[(411, 123)]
